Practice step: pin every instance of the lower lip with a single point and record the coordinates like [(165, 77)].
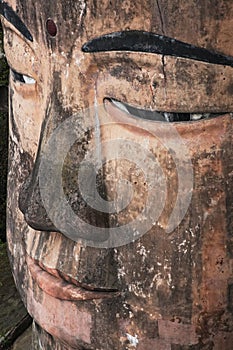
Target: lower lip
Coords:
[(59, 288)]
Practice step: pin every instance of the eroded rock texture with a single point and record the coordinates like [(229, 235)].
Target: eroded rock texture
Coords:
[(160, 121)]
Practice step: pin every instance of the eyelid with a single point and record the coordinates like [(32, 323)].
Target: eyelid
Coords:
[(8, 27), (171, 117), (22, 78), (24, 47)]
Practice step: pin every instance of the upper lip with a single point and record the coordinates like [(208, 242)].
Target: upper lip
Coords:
[(64, 287)]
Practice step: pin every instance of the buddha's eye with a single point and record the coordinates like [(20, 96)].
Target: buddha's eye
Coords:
[(22, 78), (160, 115)]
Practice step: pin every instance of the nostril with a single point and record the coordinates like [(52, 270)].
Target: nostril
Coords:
[(30, 204), (39, 222), (23, 195)]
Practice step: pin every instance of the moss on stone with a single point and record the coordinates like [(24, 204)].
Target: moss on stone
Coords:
[(3, 138), (4, 71), (3, 173)]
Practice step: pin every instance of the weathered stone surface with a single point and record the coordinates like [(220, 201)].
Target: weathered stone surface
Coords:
[(13, 315), (4, 69), (24, 342), (3, 137), (174, 282), (177, 333), (3, 164)]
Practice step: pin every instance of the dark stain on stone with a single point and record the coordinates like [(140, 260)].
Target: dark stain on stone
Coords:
[(230, 89), (227, 165), (106, 319), (208, 325), (185, 347), (230, 297), (148, 326), (126, 69), (11, 116)]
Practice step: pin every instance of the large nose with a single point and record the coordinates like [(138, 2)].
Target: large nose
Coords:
[(31, 198), (35, 214)]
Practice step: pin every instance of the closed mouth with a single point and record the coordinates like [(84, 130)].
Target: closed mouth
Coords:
[(61, 286), (162, 116)]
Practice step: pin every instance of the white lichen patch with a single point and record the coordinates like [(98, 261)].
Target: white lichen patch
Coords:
[(138, 289), (132, 339), (82, 5), (142, 251)]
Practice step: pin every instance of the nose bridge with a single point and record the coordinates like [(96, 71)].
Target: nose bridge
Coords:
[(68, 95), (30, 201), (58, 113), (73, 79)]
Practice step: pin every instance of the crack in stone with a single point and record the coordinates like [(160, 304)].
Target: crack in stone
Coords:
[(160, 16), (164, 74)]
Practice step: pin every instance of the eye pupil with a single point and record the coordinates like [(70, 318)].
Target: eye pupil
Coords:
[(51, 27)]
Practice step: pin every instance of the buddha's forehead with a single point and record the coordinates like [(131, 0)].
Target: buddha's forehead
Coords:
[(196, 24), (83, 19), (207, 24)]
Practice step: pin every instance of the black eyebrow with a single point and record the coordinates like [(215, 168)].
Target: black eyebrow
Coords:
[(141, 41), (10, 15)]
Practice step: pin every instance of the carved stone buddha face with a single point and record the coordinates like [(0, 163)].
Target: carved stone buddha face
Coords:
[(120, 171)]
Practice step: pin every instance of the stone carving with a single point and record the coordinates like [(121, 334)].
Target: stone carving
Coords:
[(154, 117)]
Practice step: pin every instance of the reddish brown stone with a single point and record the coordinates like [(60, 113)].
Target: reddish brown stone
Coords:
[(222, 341), (181, 273), (177, 333), (158, 344)]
